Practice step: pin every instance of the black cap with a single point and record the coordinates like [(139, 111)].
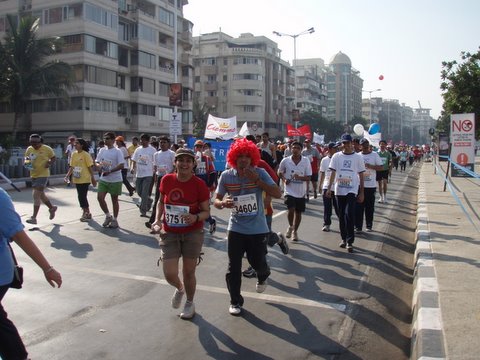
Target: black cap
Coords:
[(363, 141)]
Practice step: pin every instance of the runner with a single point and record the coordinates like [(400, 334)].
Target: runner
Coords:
[(328, 202), (181, 211), (382, 175), (240, 189)]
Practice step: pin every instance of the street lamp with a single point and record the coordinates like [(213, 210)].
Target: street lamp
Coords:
[(294, 37), (370, 101)]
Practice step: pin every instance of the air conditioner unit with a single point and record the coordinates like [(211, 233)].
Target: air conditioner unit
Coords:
[(128, 120)]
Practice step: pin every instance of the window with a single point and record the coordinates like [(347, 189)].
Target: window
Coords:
[(101, 47), (163, 89), (142, 84), (164, 113), (197, 79), (248, 108), (247, 77), (100, 76), (225, 77), (212, 93), (185, 71), (211, 79), (101, 16), (146, 33), (246, 60), (143, 59), (225, 61), (209, 61), (123, 57), (166, 17)]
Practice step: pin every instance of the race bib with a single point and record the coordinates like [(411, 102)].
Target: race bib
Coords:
[(201, 168), (368, 175), (345, 181), (245, 205), (142, 160), (105, 165), (77, 172), (173, 215), (299, 173)]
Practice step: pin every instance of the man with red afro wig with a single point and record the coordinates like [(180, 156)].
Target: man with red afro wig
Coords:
[(240, 189)]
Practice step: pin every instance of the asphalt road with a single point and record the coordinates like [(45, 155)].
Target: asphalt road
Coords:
[(320, 303)]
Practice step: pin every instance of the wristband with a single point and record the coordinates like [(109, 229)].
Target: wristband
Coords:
[(48, 270)]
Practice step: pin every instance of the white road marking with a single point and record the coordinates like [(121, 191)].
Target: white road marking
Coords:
[(216, 290)]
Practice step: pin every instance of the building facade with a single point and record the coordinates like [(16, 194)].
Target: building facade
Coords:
[(123, 55), (244, 77), (344, 90), (311, 90)]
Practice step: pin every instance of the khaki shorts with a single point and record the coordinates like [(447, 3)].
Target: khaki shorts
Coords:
[(114, 188), (188, 245)]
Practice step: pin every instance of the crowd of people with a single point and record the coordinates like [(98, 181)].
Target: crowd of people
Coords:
[(345, 173)]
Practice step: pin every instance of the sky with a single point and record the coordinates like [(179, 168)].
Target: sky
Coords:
[(405, 41)]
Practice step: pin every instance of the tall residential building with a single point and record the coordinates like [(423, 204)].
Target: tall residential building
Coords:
[(123, 55), (422, 121), (344, 90), (370, 110), (311, 90), (244, 77)]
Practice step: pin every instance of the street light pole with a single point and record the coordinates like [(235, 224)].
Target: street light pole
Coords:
[(294, 37), (370, 102)]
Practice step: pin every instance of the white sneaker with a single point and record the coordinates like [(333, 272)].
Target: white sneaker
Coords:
[(235, 310), (288, 234), (177, 298), (326, 228), (294, 236), (261, 286), (385, 199), (108, 220), (380, 200), (188, 311)]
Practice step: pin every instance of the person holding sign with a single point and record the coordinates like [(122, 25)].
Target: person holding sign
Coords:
[(181, 211), (240, 189)]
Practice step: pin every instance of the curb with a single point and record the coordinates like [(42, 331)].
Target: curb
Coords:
[(427, 339)]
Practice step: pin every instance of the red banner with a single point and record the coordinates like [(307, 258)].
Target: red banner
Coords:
[(301, 131)]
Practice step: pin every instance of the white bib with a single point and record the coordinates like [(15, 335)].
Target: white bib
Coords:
[(173, 215), (245, 205)]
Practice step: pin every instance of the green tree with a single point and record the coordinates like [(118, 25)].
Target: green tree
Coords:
[(200, 117), (321, 125), (27, 68), (461, 86)]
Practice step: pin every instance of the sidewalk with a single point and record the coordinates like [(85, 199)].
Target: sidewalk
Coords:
[(447, 272)]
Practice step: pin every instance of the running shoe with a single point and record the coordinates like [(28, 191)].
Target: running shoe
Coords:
[(261, 286), (188, 311), (212, 227), (343, 245), (108, 220), (31, 220), (177, 298), (113, 224), (326, 228), (52, 212), (288, 234), (350, 248), (282, 242), (235, 310), (294, 236), (249, 273)]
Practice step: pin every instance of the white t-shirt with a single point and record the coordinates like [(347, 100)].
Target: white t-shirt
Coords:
[(124, 151), (347, 167), (324, 168), (370, 175), (108, 159), (143, 157), (296, 188), (164, 161)]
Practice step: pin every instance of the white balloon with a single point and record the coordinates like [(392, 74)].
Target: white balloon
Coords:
[(358, 129)]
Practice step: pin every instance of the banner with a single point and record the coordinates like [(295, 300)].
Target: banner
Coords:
[(219, 128), (462, 138), (443, 146), (301, 131), (219, 150), (175, 97)]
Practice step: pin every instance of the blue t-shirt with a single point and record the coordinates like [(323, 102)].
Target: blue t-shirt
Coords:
[(10, 224), (248, 216)]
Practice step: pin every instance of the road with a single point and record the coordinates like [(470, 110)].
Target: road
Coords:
[(321, 302)]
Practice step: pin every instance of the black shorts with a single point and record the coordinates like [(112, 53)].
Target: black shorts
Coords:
[(297, 203), (314, 177), (382, 175)]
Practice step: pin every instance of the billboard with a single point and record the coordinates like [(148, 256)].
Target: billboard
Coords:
[(462, 138)]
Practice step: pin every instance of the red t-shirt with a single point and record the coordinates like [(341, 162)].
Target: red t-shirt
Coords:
[(182, 197)]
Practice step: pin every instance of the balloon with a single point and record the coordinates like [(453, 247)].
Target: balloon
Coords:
[(374, 128), (380, 77), (358, 129)]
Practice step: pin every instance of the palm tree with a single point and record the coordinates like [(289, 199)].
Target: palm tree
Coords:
[(27, 69)]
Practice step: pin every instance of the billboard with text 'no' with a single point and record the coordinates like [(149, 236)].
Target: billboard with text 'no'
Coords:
[(462, 138)]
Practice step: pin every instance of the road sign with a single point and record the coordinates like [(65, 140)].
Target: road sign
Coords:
[(176, 124), (462, 138)]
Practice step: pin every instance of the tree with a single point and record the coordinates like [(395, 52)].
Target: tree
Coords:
[(200, 117), (461, 86), (321, 125), (27, 68)]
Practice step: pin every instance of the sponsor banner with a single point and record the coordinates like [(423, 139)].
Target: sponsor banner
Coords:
[(462, 139), (220, 128), (219, 150)]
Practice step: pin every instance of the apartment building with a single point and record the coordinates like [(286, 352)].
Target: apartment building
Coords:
[(311, 90), (344, 90), (123, 55), (244, 77)]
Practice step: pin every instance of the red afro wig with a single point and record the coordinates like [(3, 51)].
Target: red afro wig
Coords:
[(243, 147)]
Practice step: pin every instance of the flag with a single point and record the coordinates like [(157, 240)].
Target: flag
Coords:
[(318, 139), (305, 131), (291, 131), (244, 130), (220, 128), (373, 139)]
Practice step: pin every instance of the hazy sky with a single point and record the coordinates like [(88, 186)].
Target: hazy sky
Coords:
[(405, 41)]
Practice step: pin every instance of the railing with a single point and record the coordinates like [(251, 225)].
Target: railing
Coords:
[(60, 166)]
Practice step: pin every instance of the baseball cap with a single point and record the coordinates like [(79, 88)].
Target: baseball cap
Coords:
[(119, 138), (363, 141), (198, 143), (307, 140), (186, 152), (332, 145), (346, 137)]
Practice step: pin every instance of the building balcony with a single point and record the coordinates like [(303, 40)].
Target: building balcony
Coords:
[(210, 70), (210, 86)]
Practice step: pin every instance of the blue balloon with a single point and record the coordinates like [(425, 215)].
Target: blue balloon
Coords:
[(374, 128)]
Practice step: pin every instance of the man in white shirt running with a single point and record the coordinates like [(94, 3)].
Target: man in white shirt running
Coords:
[(295, 171)]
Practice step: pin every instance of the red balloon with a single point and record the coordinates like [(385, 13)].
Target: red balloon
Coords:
[(381, 77)]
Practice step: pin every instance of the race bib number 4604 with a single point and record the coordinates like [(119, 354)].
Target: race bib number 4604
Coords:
[(245, 205)]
